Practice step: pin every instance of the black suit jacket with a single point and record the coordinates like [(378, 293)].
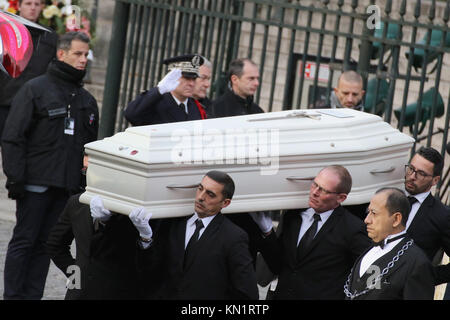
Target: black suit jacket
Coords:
[(151, 107), (106, 255), (322, 270), (410, 278), (220, 267), (430, 230)]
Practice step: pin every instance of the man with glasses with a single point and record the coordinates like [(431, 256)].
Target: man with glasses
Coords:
[(316, 248), (429, 220)]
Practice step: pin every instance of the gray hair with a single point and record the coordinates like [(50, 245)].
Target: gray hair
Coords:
[(65, 40)]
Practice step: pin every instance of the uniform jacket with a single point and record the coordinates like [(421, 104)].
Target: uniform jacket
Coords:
[(220, 267), (230, 104), (410, 278), (35, 149), (151, 107), (430, 230), (321, 272), (105, 254)]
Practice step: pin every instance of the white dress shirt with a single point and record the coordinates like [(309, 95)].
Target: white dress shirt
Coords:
[(415, 207), (308, 219), (190, 227), (179, 102), (376, 252)]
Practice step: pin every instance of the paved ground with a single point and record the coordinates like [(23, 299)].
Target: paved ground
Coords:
[(56, 281)]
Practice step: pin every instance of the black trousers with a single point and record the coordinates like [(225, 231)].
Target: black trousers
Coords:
[(27, 263)]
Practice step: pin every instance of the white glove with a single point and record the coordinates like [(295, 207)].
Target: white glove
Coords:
[(170, 81), (98, 211), (263, 220), (140, 217)]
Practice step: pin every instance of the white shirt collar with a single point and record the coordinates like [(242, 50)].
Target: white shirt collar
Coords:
[(178, 101), (206, 221), (420, 197)]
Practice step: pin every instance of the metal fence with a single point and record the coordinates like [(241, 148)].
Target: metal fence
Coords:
[(399, 47)]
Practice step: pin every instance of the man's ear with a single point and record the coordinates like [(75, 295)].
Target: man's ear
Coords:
[(435, 180), (226, 203), (341, 197), (397, 219), (60, 54)]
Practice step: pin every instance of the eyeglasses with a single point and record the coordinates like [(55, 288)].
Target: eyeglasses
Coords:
[(322, 190), (419, 173)]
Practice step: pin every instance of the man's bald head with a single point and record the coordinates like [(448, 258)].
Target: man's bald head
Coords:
[(349, 89)]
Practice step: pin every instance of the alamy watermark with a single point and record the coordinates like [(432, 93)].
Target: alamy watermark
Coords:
[(374, 20), (228, 146)]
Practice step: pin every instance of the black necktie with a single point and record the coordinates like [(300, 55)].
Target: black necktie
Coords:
[(183, 107), (308, 237), (198, 226), (382, 243), (412, 200)]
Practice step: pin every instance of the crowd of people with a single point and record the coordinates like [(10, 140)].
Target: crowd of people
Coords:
[(380, 250)]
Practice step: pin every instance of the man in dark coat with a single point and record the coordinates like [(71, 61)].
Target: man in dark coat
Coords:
[(171, 100), (317, 247), (203, 256), (429, 220), (395, 268), (44, 50), (105, 266), (243, 76), (51, 119)]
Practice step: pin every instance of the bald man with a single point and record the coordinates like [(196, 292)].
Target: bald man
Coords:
[(349, 91)]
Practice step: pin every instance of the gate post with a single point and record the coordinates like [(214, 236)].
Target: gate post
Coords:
[(114, 69)]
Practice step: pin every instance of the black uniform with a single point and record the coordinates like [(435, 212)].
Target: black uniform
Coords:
[(51, 119), (230, 104), (152, 107), (44, 50)]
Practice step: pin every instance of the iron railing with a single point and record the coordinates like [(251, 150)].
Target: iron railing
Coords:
[(301, 47)]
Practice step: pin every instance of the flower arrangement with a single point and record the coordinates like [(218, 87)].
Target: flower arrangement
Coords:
[(61, 16)]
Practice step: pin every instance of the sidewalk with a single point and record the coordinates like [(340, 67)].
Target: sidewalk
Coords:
[(56, 281)]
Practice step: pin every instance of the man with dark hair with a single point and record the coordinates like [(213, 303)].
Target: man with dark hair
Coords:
[(171, 100), (316, 248), (395, 267), (51, 119), (203, 256), (243, 76), (429, 220), (44, 50)]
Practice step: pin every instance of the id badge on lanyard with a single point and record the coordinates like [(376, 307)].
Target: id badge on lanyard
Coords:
[(69, 123)]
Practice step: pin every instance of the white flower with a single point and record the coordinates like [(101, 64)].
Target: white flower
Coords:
[(67, 10), (51, 11), (4, 5)]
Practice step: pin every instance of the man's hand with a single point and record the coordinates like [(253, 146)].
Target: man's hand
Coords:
[(16, 190), (140, 217), (170, 81), (263, 220), (98, 211)]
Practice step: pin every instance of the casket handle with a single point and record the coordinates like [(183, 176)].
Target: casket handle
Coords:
[(382, 171), (300, 178), (180, 186)]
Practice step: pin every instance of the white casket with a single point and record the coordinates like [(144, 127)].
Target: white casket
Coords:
[(272, 158)]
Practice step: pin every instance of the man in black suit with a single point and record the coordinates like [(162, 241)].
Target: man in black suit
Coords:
[(203, 256), (107, 246), (429, 220), (395, 268), (316, 248), (171, 100)]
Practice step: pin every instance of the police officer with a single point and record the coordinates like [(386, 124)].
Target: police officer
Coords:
[(171, 100), (51, 119)]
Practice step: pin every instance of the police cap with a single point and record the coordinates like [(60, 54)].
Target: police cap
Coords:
[(188, 64)]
